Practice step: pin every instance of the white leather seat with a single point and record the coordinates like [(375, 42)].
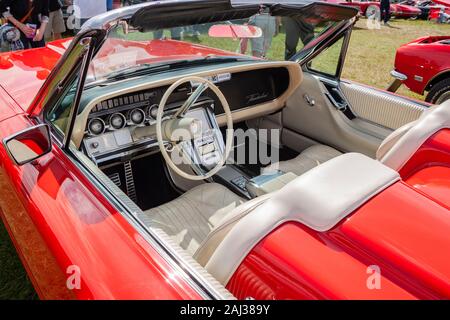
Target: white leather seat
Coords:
[(305, 161), (202, 219), (394, 151), (191, 217), (400, 146)]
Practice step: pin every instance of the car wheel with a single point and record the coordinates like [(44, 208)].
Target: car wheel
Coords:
[(440, 92), (373, 12)]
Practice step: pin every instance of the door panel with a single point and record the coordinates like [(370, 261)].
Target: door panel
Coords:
[(371, 115), (323, 123), (379, 107)]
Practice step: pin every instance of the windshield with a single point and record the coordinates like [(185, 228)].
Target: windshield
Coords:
[(262, 36)]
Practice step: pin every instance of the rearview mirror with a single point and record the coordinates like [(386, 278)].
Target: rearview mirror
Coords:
[(236, 31), (29, 144)]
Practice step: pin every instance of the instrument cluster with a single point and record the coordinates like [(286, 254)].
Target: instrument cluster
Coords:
[(99, 124), (114, 114)]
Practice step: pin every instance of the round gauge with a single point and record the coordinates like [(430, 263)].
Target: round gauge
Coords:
[(96, 126), (153, 111), (137, 116), (117, 121)]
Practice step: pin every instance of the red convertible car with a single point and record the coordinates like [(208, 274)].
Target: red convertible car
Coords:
[(423, 65), (122, 172)]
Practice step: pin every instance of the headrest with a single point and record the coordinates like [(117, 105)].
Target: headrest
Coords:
[(400, 146)]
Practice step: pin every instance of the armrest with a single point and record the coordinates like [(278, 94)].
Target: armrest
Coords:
[(264, 184)]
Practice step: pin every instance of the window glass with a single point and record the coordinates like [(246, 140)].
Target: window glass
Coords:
[(59, 115), (327, 61), (261, 36)]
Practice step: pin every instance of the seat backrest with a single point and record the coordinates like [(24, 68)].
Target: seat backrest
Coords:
[(318, 199), (400, 146)]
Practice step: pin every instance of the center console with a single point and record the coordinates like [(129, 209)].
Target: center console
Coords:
[(252, 187)]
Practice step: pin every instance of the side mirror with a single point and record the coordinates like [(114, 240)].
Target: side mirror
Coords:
[(29, 144)]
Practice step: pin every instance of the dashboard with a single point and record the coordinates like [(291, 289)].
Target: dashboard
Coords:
[(108, 124)]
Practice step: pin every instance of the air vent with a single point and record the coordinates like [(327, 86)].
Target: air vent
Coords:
[(115, 177)]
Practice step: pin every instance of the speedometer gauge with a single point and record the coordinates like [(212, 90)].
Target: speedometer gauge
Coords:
[(152, 111), (96, 126), (117, 121), (137, 116)]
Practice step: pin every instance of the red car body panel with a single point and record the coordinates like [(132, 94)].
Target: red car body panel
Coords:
[(436, 11), (58, 219), (400, 10), (69, 221), (426, 57), (33, 65), (397, 231), (360, 5), (442, 2)]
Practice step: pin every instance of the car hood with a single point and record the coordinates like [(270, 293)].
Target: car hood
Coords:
[(147, 52), (23, 72)]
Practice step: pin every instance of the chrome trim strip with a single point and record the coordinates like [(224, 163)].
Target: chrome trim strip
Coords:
[(186, 271), (191, 276)]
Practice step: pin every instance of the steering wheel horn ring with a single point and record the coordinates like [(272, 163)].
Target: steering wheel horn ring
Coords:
[(166, 131)]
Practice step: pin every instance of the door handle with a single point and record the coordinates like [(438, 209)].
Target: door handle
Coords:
[(309, 100)]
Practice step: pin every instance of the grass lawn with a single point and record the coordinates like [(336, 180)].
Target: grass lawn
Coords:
[(14, 283), (369, 60), (371, 53)]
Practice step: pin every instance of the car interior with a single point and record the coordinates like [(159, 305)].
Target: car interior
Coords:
[(309, 116)]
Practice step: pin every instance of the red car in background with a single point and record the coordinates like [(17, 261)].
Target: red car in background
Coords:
[(430, 9), (370, 8), (405, 11), (424, 65)]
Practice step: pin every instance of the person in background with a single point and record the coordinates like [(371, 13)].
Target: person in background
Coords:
[(385, 8), (10, 38), (86, 9), (56, 26), (296, 29), (268, 25), (30, 17), (443, 17)]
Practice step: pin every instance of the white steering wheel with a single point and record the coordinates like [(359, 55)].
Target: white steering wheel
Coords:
[(178, 120)]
